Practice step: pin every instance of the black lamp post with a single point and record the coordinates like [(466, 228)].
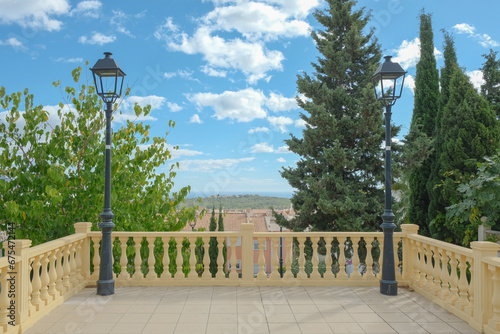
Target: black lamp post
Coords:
[(388, 83), (108, 81)]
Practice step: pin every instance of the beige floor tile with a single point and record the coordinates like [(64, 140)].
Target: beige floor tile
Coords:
[(438, 328), (96, 327), (128, 328), (250, 328), (367, 317), (357, 308), (107, 317), (159, 328), (222, 318), (252, 318), (278, 309), (224, 308), (395, 317), (190, 328), (280, 317), (220, 328), (165, 308), (284, 328), (143, 308), (251, 308), (303, 308), (346, 327), (315, 328), (408, 328), (339, 317), (462, 327), (39, 327), (193, 318), (424, 317), (65, 327), (309, 317), (114, 309), (164, 318), (376, 327), (135, 317)]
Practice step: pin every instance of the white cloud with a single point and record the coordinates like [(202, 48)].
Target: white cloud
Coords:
[(68, 60), (280, 122), (213, 72), (259, 129), (408, 53), (36, 14), (280, 160), (180, 73), (182, 152), (174, 107), (89, 8), (262, 148), (195, 119), (256, 20), (156, 102), (282, 149), (299, 8), (253, 59), (476, 77), (484, 40), (118, 21), (277, 102), (14, 42), (410, 82), (300, 123), (242, 106), (97, 38), (210, 165)]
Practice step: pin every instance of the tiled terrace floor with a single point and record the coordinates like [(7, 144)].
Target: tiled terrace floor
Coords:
[(264, 310)]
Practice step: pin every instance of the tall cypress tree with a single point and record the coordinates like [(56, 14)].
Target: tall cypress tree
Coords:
[(337, 179), (221, 228), (470, 132), (423, 122), (437, 205), (491, 75), (213, 251)]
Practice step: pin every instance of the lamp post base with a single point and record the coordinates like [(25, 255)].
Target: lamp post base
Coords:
[(106, 287), (388, 288)]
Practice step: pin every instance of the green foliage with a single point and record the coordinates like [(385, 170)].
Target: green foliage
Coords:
[(480, 197), (490, 89), (55, 168), (239, 202), (423, 126), (470, 132), (340, 169), (213, 251), (221, 228)]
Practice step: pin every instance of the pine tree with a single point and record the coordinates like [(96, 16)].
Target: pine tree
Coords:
[(470, 132), (337, 179), (221, 229), (437, 205), (424, 114), (213, 252), (491, 75)]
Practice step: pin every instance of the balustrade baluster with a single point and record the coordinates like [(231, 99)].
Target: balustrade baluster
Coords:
[(444, 293), (97, 259), (342, 274), (72, 265), (78, 261), (397, 262), (471, 287), (438, 255), (262, 262), (415, 264), (179, 260), (494, 322), (288, 257), (206, 259), (422, 264), (315, 259), (220, 258), (369, 275), (463, 285), (4, 300), (192, 259), (453, 278), (166, 260), (355, 258), (381, 255), (328, 258), (429, 269), (137, 259), (275, 272), (53, 275), (233, 274), (124, 275), (44, 279), (59, 271), (302, 258), (66, 269), (36, 283), (30, 288), (151, 259)]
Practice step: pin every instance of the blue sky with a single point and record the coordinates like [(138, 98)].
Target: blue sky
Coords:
[(223, 70)]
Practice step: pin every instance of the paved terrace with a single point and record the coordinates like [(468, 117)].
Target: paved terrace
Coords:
[(245, 310)]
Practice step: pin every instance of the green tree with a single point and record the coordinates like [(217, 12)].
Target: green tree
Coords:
[(470, 132), (491, 75), (337, 179), (481, 197), (422, 123), (213, 252), (437, 205), (55, 168), (221, 229)]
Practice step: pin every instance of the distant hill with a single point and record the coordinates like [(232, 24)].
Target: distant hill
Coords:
[(239, 202)]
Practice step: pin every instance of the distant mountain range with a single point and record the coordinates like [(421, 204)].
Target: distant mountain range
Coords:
[(239, 202)]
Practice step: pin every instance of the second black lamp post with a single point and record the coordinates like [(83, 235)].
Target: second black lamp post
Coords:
[(108, 81), (388, 82)]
